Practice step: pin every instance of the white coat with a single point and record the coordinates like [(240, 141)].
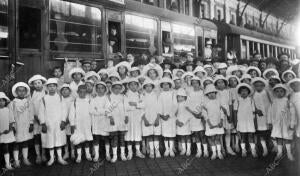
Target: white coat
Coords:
[(52, 112), (295, 103), (81, 118), (5, 120), (195, 102), (135, 114), (151, 111), (36, 101), (69, 101), (74, 88), (225, 98), (183, 116), (245, 117), (262, 102), (22, 112), (98, 108), (167, 107)]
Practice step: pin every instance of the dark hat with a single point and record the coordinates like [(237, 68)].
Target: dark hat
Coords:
[(86, 61), (167, 62), (187, 63), (272, 60)]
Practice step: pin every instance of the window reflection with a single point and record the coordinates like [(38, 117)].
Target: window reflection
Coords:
[(183, 37), (3, 23), (74, 27)]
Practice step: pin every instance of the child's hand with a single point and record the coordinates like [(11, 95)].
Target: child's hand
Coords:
[(220, 125), (44, 128), (178, 123), (132, 103), (72, 129), (31, 128), (62, 125), (167, 116), (5, 131), (224, 110), (176, 113), (111, 120), (156, 122), (146, 122), (259, 112), (126, 119), (291, 128)]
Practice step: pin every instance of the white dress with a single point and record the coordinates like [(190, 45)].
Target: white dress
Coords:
[(135, 114), (183, 116), (151, 110), (195, 102), (74, 88), (212, 112), (98, 108), (81, 118), (117, 112), (5, 120), (295, 103), (261, 102), (69, 101), (225, 98), (22, 112), (36, 101), (52, 112), (245, 117), (281, 118), (167, 107)]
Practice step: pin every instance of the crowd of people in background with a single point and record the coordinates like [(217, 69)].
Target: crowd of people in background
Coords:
[(153, 106)]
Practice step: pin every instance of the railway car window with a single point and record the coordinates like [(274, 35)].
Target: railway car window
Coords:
[(244, 50), (75, 27), (29, 30), (3, 23), (141, 35), (251, 48), (187, 7), (173, 5), (166, 38), (152, 2), (196, 8), (183, 37), (114, 37)]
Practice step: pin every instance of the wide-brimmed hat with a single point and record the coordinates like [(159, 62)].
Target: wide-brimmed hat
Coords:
[(196, 78), (181, 92), (270, 70), (65, 86), (232, 76), (286, 72), (207, 79), (200, 69), (3, 96), (281, 86), (148, 81), (101, 83), (245, 76), (209, 89), (175, 71), (220, 77), (103, 71), (90, 74), (155, 67), (222, 65), (114, 74), (51, 81), (123, 64), (20, 84), (254, 68), (132, 69), (166, 80), (276, 78), (130, 80), (76, 70), (118, 83), (259, 79), (187, 74), (36, 77), (293, 81), (244, 85)]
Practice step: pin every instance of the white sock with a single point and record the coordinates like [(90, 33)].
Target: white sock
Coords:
[(199, 149), (243, 146), (205, 147), (79, 152), (96, 149), (171, 142), (129, 147), (151, 145), (252, 146), (51, 152), (156, 145), (219, 148), (107, 146), (115, 151), (16, 155), (37, 150), (137, 147), (25, 153), (58, 152), (6, 158), (166, 144), (122, 150)]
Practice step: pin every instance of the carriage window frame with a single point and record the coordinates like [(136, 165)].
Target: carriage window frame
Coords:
[(180, 33), (4, 29), (96, 26)]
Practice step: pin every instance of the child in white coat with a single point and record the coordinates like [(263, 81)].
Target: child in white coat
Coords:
[(81, 123), (6, 132), (99, 111), (135, 110), (77, 74), (167, 115), (281, 118), (21, 111), (195, 102), (118, 120), (262, 102), (244, 110), (213, 116), (183, 116), (37, 82), (52, 116), (151, 127)]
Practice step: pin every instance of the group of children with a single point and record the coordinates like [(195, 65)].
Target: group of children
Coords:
[(223, 110)]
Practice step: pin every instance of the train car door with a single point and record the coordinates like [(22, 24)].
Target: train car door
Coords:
[(115, 33)]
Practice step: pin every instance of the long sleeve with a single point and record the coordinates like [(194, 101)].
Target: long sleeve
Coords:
[(72, 114), (42, 114), (293, 113), (31, 111), (11, 113), (270, 114), (64, 111)]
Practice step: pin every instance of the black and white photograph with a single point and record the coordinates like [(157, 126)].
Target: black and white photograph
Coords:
[(150, 87)]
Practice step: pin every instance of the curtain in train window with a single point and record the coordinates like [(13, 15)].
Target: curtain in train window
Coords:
[(3, 23), (75, 27), (141, 35), (184, 39)]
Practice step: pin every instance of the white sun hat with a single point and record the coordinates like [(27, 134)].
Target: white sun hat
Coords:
[(155, 67), (76, 70), (181, 92), (253, 68), (90, 74), (3, 96), (114, 74), (123, 64), (200, 69), (259, 79), (220, 77), (166, 80), (222, 65), (232, 76), (187, 74), (245, 76), (281, 86), (20, 84), (293, 81), (286, 72), (103, 71), (241, 85), (270, 70), (51, 81), (148, 81), (209, 89), (36, 77)]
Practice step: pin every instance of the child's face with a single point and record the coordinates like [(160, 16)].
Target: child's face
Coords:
[(177, 83), (288, 77), (100, 89), (86, 67), (89, 87), (222, 71), (114, 79), (187, 79), (189, 68), (148, 88), (179, 74), (221, 84), (259, 86), (57, 73), (117, 89), (233, 82), (166, 86), (253, 74), (199, 63), (65, 92), (52, 88), (207, 82), (295, 86), (103, 76), (273, 82), (21, 92), (180, 98), (199, 74), (94, 65), (38, 84), (2, 103), (82, 93), (152, 74), (195, 84), (270, 74), (168, 75), (244, 92), (209, 70), (279, 92), (122, 70), (77, 76), (134, 73), (211, 95), (246, 80), (133, 86), (93, 78)]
